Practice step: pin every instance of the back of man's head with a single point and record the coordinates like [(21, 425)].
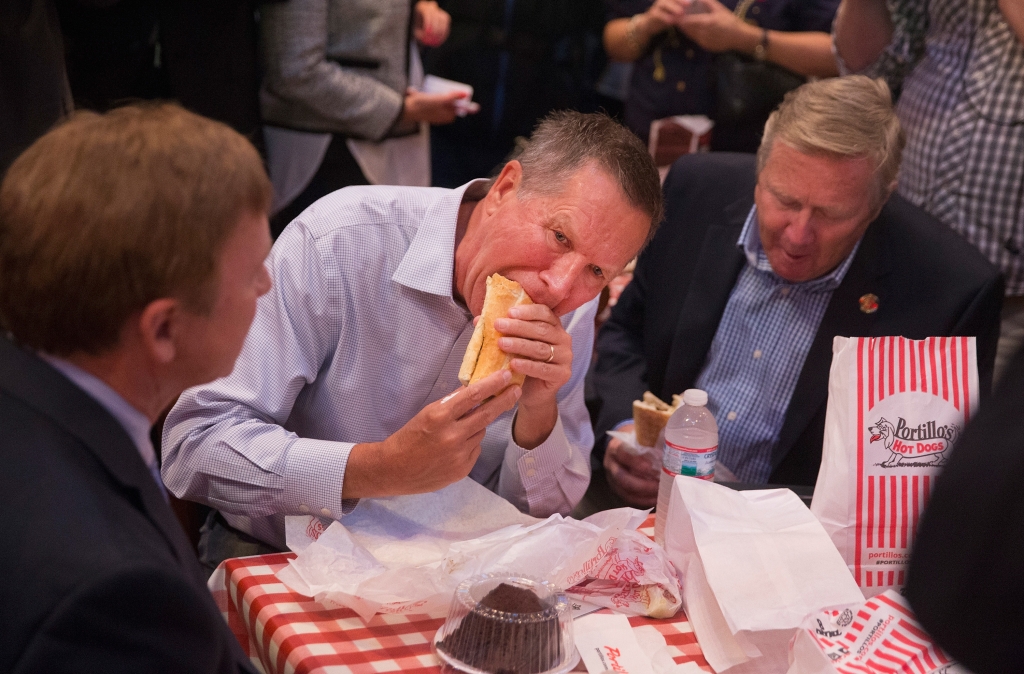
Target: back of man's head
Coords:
[(565, 141), (842, 117), (106, 213)]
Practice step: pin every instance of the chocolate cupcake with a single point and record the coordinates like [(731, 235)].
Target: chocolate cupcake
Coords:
[(507, 625)]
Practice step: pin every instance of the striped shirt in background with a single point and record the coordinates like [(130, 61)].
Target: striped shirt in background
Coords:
[(961, 70), (757, 355)]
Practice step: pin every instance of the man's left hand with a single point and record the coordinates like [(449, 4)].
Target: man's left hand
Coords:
[(542, 350)]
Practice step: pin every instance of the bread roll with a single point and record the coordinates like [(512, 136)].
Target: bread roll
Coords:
[(650, 416), (483, 356)]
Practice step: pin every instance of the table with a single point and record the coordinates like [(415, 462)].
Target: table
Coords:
[(285, 633)]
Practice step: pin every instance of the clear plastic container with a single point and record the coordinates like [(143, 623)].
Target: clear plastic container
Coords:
[(533, 636), (691, 448)]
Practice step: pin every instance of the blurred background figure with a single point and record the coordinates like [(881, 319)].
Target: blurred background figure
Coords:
[(731, 62), (960, 67), (338, 96), (524, 58), (199, 53), (34, 91)]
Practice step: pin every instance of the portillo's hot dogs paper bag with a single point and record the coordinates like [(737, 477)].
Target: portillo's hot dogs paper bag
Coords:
[(895, 408)]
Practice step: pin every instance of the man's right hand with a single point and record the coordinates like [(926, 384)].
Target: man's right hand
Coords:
[(435, 448), (632, 477)]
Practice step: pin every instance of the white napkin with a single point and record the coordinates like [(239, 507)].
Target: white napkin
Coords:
[(408, 554)]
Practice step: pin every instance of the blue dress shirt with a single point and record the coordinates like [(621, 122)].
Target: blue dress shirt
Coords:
[(757, 354)]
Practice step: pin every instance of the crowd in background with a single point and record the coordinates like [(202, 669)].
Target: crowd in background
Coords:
[(289, 74)]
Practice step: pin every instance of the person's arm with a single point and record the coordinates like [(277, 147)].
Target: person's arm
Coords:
[(863, 28), (981, 320), (807, 53), (330, 96), (1013, 12), (553, 476), (626, 39), (133, 619), (619, 378)]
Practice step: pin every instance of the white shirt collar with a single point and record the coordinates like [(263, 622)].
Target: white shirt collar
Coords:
[(134, 422)]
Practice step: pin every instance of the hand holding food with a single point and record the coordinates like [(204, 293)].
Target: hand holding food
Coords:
[(435, 448)]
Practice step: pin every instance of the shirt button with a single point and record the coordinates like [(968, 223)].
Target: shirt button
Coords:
[(755, 10), (680, 86), (529, 461), (757, 354), (304, 508), (731, 416), (785, 291), (531, 473), (326, 512), (689, 53)]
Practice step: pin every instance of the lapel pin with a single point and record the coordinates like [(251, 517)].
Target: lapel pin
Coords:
[(869, 303)]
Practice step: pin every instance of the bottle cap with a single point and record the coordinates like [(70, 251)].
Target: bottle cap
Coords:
[(694, 397)]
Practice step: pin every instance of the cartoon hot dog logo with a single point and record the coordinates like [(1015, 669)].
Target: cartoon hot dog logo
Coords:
[(923, 444)]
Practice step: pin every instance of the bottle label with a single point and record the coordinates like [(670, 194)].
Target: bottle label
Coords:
[(699, 463)]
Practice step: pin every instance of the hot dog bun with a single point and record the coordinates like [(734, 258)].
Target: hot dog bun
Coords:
[(650, 416), (483, 356)]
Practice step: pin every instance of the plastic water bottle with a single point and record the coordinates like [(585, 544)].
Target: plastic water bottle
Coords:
[(691, 448)]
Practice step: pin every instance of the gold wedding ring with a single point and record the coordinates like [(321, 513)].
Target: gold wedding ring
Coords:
[(552, 356)]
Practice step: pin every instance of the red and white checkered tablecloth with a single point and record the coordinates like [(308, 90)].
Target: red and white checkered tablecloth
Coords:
[(285, 633)]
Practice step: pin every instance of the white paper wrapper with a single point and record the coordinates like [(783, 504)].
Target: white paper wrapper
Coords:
[(408, 554), (628, 439), (754, 564)]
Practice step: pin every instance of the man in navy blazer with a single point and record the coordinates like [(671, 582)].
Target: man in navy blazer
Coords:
[(826, 252), (131, 257)]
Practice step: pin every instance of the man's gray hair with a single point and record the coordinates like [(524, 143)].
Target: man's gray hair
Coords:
[(566, 141), (843, 117)]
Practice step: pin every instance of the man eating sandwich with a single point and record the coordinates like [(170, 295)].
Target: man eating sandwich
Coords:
[(348, 384)]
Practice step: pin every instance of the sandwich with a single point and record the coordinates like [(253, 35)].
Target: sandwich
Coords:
[(483, 356), (650, 416)]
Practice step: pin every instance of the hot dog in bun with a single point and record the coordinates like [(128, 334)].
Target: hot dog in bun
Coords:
[(483, 356)]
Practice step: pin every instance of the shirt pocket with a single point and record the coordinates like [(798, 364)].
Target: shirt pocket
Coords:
[(995, 72)]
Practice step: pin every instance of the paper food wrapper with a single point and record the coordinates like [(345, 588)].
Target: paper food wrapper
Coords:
[(607, 642), (753, 564), (895, 408), (879, 635), (408, 554), (630, 444)]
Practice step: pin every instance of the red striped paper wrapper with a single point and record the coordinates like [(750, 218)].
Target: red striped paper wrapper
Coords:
[(877, 637)]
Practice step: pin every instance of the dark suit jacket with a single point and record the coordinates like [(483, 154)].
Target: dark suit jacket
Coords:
[(929, 282), (96, 574), (964, 581)]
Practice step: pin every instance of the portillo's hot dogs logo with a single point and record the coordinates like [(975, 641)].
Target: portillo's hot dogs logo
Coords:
[(922, 445)]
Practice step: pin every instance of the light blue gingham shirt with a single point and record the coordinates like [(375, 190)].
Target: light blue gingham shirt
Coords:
[(357, 335), (757, 355)]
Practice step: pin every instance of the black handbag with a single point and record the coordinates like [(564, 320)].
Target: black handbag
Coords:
[(747, 90)]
